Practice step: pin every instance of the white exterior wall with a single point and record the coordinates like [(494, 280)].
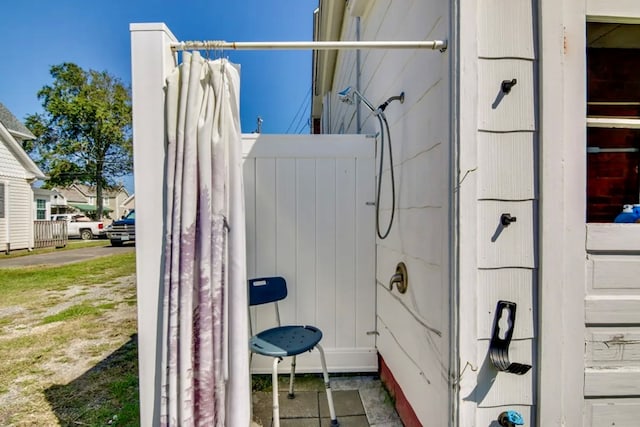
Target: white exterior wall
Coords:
[(17, 226), (498, 142), (413, 328)]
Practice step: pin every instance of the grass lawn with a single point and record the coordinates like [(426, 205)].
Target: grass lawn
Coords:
[(68, 349)]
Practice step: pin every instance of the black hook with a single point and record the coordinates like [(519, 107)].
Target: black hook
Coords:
[(508, 84), (506, 219)]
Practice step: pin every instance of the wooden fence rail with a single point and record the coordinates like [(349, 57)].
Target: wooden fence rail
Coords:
[(50, 233)]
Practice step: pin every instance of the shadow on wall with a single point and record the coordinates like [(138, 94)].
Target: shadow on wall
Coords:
[(107, 394), (485, 380)]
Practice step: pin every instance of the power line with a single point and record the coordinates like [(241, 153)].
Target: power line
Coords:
[(304, 123), (303, 104)]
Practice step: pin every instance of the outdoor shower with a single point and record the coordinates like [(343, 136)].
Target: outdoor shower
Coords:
[(349, 95)]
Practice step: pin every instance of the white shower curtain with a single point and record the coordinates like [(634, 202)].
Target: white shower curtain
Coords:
[(205, 364)]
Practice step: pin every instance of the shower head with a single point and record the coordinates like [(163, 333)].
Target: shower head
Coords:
[(348, 94), (345, 94)]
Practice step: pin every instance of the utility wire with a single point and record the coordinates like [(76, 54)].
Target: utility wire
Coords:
[(303, 104), (301, 120), (305, 123)]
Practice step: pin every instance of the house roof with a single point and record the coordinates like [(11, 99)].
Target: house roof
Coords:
[(327, 25), (10, 137), (90, 190), (71, 194), (44, 192), (13, 125), (89, 208)]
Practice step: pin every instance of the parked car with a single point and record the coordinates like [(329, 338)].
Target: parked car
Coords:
[(80, 226), (123, 230)]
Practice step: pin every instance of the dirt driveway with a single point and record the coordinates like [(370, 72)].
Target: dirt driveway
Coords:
[(65, 257)]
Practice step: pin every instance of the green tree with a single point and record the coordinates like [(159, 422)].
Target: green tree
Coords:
[(84, 134)]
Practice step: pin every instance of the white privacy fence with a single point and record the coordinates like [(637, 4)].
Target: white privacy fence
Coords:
[(310, 218)]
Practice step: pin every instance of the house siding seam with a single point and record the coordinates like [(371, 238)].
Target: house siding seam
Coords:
[(413, 328)]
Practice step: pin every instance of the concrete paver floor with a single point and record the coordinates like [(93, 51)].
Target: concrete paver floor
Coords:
[(360, 401)]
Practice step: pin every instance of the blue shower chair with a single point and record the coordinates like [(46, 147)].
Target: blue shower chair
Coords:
[(284, 341)]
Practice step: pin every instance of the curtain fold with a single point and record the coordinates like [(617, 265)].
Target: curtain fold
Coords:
[(205, 376)]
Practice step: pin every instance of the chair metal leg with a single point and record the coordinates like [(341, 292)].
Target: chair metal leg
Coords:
[(291, 395), (276, 406), (327, 384)]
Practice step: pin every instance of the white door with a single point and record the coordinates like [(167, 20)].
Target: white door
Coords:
[(612, 319)]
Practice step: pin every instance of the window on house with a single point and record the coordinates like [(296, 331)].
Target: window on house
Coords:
[(613, 120), (2, 200), (41, 209)]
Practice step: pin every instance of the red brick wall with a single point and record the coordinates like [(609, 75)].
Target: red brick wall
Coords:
[(612, 178)]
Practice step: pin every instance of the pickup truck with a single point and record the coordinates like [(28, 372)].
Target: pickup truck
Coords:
[(80, 226), (123, 230)]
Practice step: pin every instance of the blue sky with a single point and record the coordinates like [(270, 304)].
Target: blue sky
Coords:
[(275, 85)]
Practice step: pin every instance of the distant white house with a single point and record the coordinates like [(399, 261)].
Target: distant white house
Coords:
[(82, 198), (43, 200), (18, 172), (128, 204)]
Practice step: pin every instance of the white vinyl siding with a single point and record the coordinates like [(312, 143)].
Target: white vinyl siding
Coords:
[(3, 200), (17, 225)]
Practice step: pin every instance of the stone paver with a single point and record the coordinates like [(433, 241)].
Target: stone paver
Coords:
[(346, 402), (360, 401)]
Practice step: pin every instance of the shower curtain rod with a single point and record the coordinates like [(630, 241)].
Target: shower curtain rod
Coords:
[(326, 45)]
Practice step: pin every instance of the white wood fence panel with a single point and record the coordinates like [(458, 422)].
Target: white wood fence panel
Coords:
[(365, 265), (502, 112), (345, 247), (286, 231), (307, 220), (505, 29), (249, 177), (326, 283), (306, 241), (506, 165)]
